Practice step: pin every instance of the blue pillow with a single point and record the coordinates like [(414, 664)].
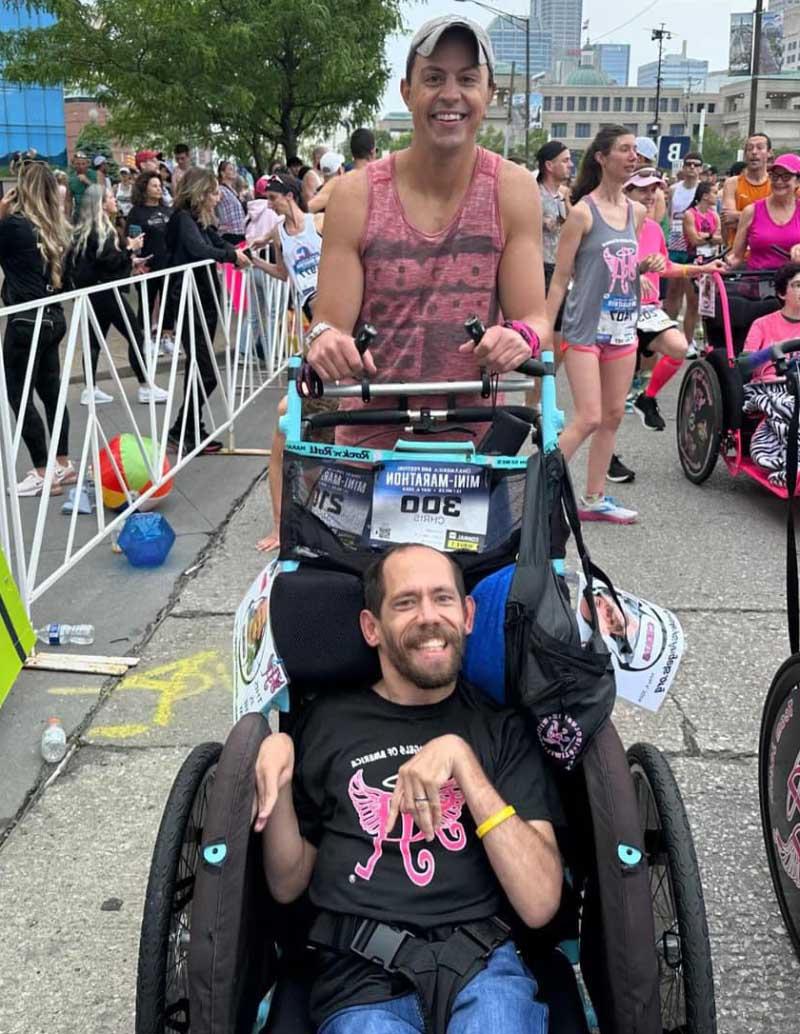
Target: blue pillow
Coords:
[(485, 654)]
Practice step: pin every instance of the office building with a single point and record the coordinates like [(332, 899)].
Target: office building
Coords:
[(562, 20), (508, 42), (615, 60), (30, 116), (677, 71), (791, 40)]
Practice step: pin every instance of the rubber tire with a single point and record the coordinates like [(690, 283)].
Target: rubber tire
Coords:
[(154, 937), (786, 678), (686, 886), (697, 475)]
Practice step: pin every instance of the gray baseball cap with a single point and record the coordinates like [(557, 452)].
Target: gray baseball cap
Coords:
[(427, 38)]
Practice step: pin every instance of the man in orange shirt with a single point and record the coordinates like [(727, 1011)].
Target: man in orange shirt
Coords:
[(751, 185)]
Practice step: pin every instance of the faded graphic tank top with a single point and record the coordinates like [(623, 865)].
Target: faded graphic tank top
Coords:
[(603, 305), (419, 288)]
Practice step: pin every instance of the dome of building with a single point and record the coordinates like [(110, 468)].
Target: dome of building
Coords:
[(585, 75)]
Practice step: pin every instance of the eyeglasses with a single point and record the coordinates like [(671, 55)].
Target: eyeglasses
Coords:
[(781, 174)]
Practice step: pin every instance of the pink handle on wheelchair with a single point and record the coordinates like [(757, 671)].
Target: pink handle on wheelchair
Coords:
[(719, 283)]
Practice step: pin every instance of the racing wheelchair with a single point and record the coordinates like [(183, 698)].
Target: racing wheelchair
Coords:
[(628, 952), (711, 421)]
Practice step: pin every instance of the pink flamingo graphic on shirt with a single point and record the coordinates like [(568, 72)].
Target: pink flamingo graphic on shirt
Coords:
[(622, 266), (372, 807)]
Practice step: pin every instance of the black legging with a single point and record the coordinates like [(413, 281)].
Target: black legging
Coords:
[(45, 381), (156, 287), (204, 363), (109, 315)]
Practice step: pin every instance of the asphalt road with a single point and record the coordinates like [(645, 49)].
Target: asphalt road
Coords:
[(713, 554)]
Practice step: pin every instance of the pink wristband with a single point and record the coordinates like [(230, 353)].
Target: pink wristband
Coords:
[(528, 334)]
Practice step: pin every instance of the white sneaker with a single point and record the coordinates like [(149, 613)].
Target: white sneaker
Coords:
[(66, 475), (605, 509), (33, 484), (167, 344), (692, 351), (100, 397), (154, 394)]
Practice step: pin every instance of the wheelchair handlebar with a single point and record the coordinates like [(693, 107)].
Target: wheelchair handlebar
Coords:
[(382, 417), (747, 362)]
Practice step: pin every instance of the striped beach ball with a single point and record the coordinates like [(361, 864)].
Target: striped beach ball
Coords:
[(127, 455)]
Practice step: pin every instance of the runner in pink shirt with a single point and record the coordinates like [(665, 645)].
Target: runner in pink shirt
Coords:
[(777, 326), (658, 332)]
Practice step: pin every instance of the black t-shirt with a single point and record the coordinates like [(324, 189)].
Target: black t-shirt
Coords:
[(153, 220), (348, 749), (26, 277)]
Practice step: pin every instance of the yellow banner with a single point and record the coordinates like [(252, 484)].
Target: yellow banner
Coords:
[(16, 632)]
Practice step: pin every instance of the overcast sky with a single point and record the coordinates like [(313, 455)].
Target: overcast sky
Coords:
[(703, 24)]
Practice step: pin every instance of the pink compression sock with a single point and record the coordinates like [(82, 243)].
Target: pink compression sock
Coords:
[(663, 372)]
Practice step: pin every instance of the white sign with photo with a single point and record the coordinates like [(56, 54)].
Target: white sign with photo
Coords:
[(259, 677), (646, 643)]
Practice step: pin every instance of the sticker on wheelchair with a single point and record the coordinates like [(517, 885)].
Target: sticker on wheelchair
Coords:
[(617, 323), (341, 500), (444, 505), (259, 677), (707, 297), (646, 645), (653, 320)]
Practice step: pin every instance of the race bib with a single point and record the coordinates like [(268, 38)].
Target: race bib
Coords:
[(617, 324), (707, 251), (444, 505), (707, 297), (653, 320), (341, 500)]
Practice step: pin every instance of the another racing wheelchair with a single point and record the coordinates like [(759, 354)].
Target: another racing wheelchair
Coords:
[(711, 418), (628, 952)]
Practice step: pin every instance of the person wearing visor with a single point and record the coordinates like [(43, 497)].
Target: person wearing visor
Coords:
[(768, 234), (658, 333), (418, 242), (647, 158)]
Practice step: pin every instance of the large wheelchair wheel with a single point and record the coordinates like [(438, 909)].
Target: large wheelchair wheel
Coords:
[(779, 790), (682, 942), (162, 987), (700, 418)]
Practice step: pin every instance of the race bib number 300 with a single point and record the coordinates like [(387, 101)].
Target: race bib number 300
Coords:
[(444, 505)]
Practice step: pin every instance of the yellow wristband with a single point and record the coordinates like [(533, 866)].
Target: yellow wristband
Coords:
[(495, 820)]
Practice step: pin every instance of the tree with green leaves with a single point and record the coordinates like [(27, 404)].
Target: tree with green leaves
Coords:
[(718, 150), (245, 77)]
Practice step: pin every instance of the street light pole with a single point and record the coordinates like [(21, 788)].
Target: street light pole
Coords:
[(526, 23), (660, 35), (755, 69)]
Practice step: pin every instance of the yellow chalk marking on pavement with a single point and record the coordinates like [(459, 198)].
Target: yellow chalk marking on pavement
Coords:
[(118, 732), (175, 681)]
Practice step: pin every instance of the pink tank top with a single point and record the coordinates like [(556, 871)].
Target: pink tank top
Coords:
[(766, 236), (419, 288)]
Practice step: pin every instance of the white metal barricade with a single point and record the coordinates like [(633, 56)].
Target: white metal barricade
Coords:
[(253, 340)]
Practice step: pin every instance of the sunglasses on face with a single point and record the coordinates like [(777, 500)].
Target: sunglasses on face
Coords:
[(693, 165)]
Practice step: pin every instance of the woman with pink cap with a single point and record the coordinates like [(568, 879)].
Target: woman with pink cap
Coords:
[(770, 229), (658, 333)]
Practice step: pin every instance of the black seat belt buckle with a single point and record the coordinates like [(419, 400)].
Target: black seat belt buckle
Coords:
[(377, 942)]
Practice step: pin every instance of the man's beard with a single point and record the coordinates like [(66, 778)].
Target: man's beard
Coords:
[(425, 678)]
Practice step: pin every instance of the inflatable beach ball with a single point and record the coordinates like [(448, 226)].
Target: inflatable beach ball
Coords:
[(124, 459)]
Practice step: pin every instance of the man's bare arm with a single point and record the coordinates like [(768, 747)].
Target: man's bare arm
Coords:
[(340, 285), (524, 855), (320, 200), (520, 277), (730, 214)]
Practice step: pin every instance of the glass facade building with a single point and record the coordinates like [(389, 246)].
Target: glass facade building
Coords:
[(677, 71), (30, 116), (615, 60), (508, 43)]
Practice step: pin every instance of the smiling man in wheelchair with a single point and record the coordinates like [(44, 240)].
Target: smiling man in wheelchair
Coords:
[(411, 811)]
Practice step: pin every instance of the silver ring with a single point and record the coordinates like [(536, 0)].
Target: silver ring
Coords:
[(420, 800)]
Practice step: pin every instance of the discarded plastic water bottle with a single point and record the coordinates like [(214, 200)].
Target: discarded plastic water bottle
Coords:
[(59, 635), (54, 741)]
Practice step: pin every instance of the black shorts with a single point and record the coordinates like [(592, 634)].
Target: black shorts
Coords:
[(549, 269)]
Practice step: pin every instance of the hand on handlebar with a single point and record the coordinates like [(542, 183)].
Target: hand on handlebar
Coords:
[(334, 357), (655, 263), (501, 350)]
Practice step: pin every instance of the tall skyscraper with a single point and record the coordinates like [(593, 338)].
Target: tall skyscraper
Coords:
[(562, 19), (508, 42), (615, 60)]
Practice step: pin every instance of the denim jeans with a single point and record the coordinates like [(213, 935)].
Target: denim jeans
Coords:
[(501, 998)]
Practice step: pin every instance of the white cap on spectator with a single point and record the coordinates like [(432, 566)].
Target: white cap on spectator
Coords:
[(330, 163)]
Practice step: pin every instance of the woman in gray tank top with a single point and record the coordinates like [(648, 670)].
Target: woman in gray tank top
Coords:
[(597, 249)]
